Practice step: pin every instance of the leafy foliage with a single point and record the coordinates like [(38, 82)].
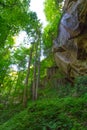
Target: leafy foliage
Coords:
[(81, 85), (53, 16), (67, 114), (60, 106), (12, 14), (15, 16)]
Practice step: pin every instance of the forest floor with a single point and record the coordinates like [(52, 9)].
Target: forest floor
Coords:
[(60, 106), (51, 112)]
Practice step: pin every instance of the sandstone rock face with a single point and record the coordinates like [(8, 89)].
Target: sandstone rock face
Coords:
[(70, 47)]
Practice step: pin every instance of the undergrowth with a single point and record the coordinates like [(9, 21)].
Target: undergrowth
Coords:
[(55, 114), (58, 108)]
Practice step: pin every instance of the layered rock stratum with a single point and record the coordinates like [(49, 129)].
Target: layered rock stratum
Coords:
[(70, 47)]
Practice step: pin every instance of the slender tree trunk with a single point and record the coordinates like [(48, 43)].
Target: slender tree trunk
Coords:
[(26, 82), (34, 83), (37, 81), (34, 77), (38, 74), (17, 83)]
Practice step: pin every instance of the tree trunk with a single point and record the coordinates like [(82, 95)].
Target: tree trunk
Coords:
[(34, 77), (38, 74), (37, 81), (26, 82)]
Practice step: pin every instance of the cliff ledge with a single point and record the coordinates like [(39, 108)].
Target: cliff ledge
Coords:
[(70, 47)]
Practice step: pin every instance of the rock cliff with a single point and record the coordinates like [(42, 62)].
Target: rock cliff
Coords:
[(70, 47)]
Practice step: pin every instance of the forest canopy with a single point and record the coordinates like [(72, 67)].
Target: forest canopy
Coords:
[(20, 64), (15, 16)]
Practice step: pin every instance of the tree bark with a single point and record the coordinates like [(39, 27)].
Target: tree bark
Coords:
[(38, 73), (26, 82), (34, 77)]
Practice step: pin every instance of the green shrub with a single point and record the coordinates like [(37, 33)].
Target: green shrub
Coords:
[(81, 85), (1, 106), (55, 114)]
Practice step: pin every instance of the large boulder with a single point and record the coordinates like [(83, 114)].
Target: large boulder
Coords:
[(70, 47)]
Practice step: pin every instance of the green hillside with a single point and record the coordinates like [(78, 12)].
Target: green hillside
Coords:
[(51, 114)]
